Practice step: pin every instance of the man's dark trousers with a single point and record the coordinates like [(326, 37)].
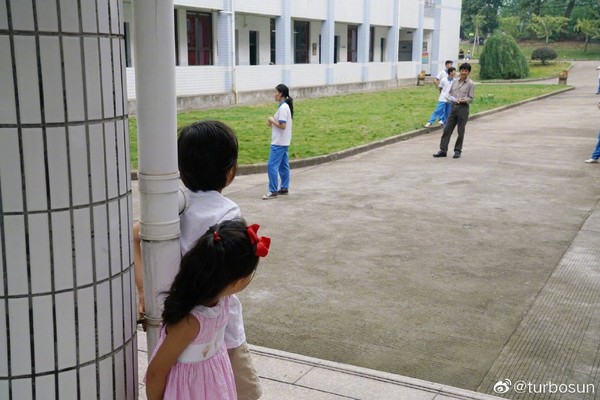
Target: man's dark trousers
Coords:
[(458, 116)]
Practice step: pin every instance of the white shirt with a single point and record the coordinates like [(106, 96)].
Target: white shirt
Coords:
[(203, 210), (282, 137), (443, 74), (445, 85)]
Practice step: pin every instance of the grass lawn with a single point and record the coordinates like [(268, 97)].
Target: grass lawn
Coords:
[(536, 69), (329, 124), (565, 50)]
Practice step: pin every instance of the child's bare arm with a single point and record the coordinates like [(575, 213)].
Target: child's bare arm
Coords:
[(179, 336)]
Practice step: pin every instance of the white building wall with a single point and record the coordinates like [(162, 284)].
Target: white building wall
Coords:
[(255, 15)]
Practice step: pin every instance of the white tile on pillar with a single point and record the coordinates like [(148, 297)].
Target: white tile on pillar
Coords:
[(104, 328), (83, 246), (3, 344), (69, 15), (10, 171), (20, 342), (2, 294), (67, 385), (97, 161), (35, 177), (87, 379), (45, 387), (116, 16), (88, 16), (107, 77), (4, 389), (73, 78), (79, 165), (8, 113), (3, 19), (125, 124), (101, 242), (16, 256), (126, 231), (131, 359), (111, 159), (103, 21), (22, 388), (114, 220), (58, 172), (130, 304), (39, 254), (123, 172), (43, 338), (106, 371), (63, 250), (47, 16), (27, 79), (54, 108), (118, 76), (87, 331), (118, 313), (120, 370), (66, 333), (22, 15), (92, 78)]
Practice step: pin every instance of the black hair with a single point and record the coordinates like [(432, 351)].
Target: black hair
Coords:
[(451, 69), (466, 66), (210, 267), (449, 62), (206, 150), (285, 92)]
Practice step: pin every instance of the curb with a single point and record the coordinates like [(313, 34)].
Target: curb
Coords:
[(250, 169)]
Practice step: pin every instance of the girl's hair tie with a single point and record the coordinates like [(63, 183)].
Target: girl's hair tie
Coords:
[(262, 243), (216, 236)]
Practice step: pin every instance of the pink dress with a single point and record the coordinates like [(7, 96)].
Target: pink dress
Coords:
[(203, 371)]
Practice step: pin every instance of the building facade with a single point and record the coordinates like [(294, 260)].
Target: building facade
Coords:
[(231, 51)]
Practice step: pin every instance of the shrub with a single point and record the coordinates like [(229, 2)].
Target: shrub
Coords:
[(501, 58), (544, 54)]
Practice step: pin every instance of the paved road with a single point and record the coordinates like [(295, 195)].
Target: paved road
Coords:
[(424, 267)]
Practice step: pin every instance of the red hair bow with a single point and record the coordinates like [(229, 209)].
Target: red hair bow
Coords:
[(262, 242)]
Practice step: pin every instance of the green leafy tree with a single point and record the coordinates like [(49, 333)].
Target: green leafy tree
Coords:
[(501, 58), (478, 21), (488, 8), (547, 25), (510, 26), (590, 28)]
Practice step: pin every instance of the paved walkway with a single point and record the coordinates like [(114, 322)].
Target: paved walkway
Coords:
[(463, 272)]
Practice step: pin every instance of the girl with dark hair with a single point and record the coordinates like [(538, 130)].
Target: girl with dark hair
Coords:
[(190, 360), (278, 165)]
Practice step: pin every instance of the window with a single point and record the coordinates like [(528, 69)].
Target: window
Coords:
[(382, 49), (352, 43), (372, 44), (253, 47), (199, 32), (273, 41), (301, 42)]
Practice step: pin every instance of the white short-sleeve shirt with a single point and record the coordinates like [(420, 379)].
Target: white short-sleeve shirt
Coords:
[(282, 137)]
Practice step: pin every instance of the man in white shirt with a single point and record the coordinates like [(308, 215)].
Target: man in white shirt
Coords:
[(443, 73)]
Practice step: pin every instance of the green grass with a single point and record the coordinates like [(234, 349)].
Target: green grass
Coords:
[(566, 50), (329, 124), (536, 69)]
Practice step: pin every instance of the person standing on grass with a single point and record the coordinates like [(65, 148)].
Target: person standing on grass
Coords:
[(442, 74), (596, 154), (278, 165), (461, 95), (442, 109)]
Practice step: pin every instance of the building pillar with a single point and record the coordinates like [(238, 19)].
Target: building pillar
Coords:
[(418, 40), (67, 299), (328, 42), (364, 34), (393, 41), (436, 51), (226, 48), (157, 152), (284, 54)]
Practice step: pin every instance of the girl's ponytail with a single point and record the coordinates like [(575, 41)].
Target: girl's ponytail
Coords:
[(285, 92)]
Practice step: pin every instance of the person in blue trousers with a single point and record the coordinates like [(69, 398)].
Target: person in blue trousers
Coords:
[(278, 165), (596, 154), (442, 109)]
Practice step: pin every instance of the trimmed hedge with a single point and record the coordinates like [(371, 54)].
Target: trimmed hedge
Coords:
[(502, 59), (544, 54)]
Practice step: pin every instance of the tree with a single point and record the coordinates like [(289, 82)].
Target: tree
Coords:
[(510, 26), (501, 58), (547, 25), (590, 28), (478, 21), (488, 8), (544, 54)]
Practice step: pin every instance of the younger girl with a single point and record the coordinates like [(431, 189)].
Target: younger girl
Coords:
[(190, 360), (281, 137)]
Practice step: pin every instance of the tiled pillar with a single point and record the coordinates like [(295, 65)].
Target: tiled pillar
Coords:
[(393, 38), (67, 300), (284, 54), (364, 47), (418, 40), (328, 41), (437, 63)]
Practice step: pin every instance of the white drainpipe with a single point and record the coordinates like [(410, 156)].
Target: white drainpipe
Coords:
[(157, 151)]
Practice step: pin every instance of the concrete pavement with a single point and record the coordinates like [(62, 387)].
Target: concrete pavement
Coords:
[(417, 270)]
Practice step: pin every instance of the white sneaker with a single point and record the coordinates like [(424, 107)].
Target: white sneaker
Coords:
[(592, 161), (441, 123), (427, 125)]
